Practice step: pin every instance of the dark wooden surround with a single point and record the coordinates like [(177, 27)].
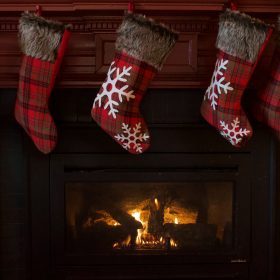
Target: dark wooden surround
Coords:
[(31, 184)]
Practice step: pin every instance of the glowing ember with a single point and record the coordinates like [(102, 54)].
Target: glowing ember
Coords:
[(173, 243), (124, 243), (103, 217), (176, 221)]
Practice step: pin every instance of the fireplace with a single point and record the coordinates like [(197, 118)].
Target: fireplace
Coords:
[(185, 205), (187, 209), (181, 207)]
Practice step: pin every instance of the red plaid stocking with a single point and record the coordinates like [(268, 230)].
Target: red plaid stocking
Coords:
[(142, 45), (241, 40), (43, 43), (266, 105)]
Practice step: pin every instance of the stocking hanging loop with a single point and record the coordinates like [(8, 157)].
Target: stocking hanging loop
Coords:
[(131, 7), (38, 10), (232, 4)]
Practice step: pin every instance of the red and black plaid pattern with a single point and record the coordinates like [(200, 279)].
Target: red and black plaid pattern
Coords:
[(121, 119), (227, 116), (36, 81), (31, 109), (266, 106)]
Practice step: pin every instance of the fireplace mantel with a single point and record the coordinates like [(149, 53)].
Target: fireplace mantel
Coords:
[(91, 47), (263, 6)]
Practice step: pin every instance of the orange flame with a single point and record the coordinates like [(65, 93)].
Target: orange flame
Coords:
[(157, 203)]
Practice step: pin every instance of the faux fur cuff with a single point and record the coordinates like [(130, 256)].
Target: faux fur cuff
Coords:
[(241, 35), (39, 38), (145, 39)]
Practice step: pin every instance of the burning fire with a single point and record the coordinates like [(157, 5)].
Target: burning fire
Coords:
[(145, 239), (137, 216), (173, 243), (124, 243), (156, 220)]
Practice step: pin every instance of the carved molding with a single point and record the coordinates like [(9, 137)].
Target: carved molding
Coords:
[(99, 24), (105, 46)]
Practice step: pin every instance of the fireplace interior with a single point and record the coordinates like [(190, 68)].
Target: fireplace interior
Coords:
[(148, 216)]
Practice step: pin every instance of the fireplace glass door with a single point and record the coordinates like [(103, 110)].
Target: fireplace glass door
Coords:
[(142, 216), (147, 209)]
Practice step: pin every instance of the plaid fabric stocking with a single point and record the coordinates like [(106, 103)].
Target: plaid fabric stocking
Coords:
[(266, 106), (241, 41), (141, 48), (43, 44)]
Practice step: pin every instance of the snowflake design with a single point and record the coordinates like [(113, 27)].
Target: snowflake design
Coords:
[(109, 88), (217, 85), (134, 137), (234, 134)]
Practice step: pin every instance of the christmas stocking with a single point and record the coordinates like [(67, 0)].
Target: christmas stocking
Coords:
[(266, 105), (241, 41), (43, 44), (141, 48)]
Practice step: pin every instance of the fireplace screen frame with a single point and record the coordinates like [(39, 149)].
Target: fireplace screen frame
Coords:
[(151, 168)]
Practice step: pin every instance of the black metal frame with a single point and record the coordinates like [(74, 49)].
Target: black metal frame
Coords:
[(177, 168)]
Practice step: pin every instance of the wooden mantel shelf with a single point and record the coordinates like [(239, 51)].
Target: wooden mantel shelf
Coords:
[(97, 6), (262, 6), (91, 47)]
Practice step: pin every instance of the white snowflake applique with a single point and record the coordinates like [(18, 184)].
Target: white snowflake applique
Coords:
[(218, 84), (234, 134), (109, 89), (131, 138)]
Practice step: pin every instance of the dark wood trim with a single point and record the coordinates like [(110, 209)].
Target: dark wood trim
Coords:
[(277, 218), (39, 213), (263, 6)]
